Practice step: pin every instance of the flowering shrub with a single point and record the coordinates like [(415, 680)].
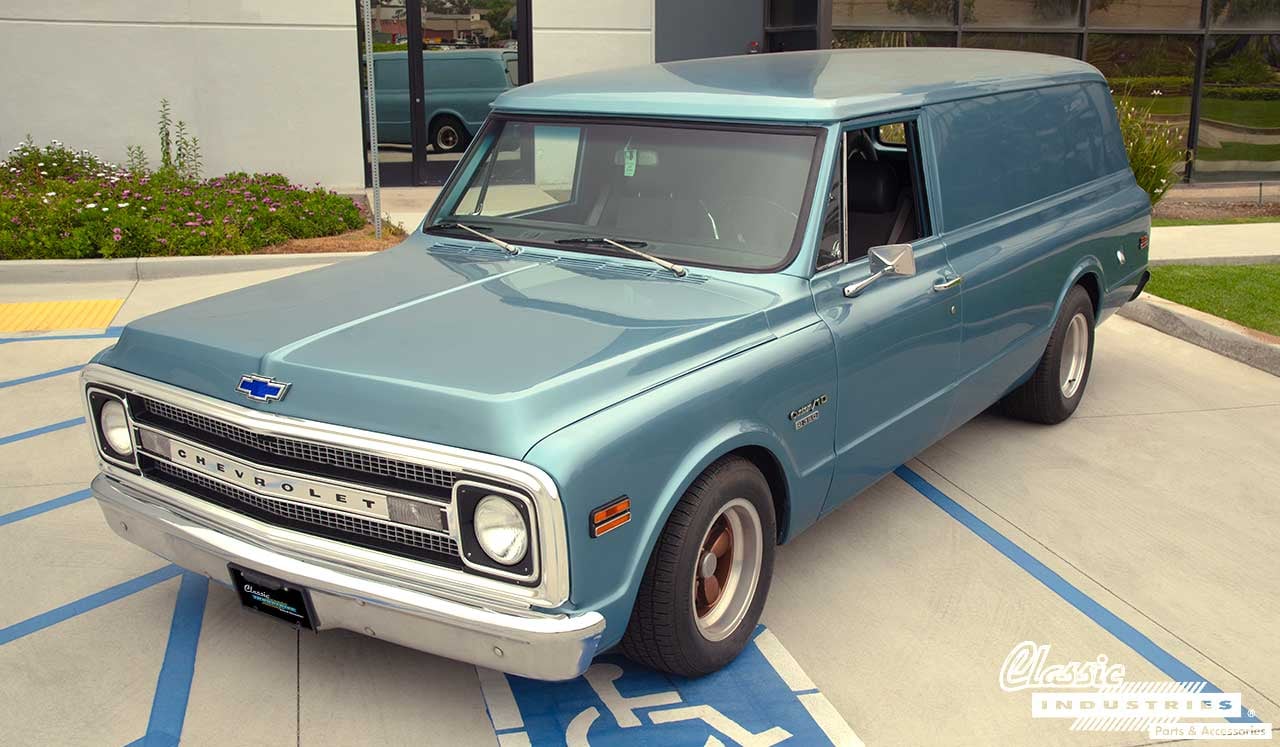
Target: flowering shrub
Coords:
[(60, 203), (1155, 149)]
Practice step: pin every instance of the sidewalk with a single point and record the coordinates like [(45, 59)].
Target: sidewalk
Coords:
[(405, 205), (1243, 243), (1226, 192)]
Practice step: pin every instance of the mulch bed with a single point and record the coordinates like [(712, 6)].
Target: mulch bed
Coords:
[(359, 240), (1173, 208)]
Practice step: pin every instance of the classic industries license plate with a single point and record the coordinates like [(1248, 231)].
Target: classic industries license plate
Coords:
[(272, 596), (287, 487)]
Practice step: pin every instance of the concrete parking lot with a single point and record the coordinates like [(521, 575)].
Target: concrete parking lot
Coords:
[(1144, 530)]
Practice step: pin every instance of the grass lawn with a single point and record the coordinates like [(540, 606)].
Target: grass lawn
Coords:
[(1232, 150), (1245, 294), (1214, 221), (1241, 112)]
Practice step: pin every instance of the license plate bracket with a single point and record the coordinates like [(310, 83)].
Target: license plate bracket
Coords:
[(272, 596)]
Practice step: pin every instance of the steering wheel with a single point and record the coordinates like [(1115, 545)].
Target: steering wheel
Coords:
[(861, 148), (753, 210)]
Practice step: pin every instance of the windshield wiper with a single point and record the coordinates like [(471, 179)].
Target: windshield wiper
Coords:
[(508, 248), (677, 270)]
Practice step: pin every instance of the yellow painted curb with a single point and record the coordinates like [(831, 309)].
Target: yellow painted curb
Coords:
[(45, 316)]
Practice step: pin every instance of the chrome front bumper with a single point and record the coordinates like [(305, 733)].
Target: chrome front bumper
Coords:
[(528, 643)]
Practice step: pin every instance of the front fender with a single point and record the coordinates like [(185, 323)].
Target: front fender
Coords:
[(652, 446)]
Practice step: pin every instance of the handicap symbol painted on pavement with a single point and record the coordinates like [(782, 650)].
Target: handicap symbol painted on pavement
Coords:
[(761, 699)]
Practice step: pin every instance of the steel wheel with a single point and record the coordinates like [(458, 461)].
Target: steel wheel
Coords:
[(447, 138), (1075, 355), (728, 570)]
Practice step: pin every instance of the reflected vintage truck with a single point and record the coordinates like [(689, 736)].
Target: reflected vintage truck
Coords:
[(659, 321)]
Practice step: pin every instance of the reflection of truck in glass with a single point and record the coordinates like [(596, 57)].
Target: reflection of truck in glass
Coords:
[(460, 85)]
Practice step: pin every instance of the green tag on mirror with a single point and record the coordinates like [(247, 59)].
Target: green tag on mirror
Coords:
[(629, 162)]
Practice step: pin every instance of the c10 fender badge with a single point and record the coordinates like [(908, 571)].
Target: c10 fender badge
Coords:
[(807, 414)]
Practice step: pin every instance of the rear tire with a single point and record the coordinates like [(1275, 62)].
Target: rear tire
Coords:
[(1057, 385), (676, 625), (448, 134)]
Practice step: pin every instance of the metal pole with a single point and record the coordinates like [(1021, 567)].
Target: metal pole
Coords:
[(374, 168)]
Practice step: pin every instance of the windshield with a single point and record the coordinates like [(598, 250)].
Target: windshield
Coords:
[(721, 197)]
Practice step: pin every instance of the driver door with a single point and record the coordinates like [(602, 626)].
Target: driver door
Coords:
[(897, 340)]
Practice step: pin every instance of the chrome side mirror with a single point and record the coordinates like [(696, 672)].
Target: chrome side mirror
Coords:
[(889, 260)]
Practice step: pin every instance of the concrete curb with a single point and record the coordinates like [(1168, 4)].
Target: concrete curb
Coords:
[(154, 268), (1244, 259), (1249, 346)]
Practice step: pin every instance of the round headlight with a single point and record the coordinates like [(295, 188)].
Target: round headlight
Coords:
[(115, 428), (500, 530)]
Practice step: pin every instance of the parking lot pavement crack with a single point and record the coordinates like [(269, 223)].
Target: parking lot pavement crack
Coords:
[(1259, 406), (133, 288), (1100, 584)]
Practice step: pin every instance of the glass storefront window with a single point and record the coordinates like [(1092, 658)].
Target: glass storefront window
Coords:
[(793, 12), (890, 13), (1244, 15), (1059, 44), (1150, 14), (1239, 134), (1154, 72), (867, 39), (1024, 13)]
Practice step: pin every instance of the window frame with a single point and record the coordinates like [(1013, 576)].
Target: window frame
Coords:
[(916, 143)]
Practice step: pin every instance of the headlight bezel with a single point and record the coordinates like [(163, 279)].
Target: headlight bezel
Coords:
[(467, 495), (97, 398)]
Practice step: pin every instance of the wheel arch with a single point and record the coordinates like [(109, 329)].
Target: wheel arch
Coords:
[(441, 114), (779, 487), (1088, 274)]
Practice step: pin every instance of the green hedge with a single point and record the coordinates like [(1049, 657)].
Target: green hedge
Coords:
[(59, 203), (1181, 86)]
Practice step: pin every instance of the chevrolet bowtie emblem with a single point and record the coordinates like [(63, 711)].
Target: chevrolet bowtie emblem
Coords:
[(261, 388)]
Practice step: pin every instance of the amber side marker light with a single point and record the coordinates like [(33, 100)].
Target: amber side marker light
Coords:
[(610, 516)]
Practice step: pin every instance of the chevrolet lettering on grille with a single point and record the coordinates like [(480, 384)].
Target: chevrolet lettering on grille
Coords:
[(288, 487)]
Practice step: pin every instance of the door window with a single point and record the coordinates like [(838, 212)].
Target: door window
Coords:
[(877, 197)]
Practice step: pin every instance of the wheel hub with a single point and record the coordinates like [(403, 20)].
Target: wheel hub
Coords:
[(707, 566), (727, 570), (1075, 355)]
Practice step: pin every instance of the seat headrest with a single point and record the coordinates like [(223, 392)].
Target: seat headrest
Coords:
[(873, 187)]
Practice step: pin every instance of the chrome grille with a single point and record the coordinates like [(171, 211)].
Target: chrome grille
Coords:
[(315, 516), (303, 450)]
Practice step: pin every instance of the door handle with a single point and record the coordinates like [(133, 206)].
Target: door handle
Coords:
[(947, 283)]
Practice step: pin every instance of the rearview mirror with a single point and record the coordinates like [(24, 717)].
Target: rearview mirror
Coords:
[(889, 260), (893, 259)]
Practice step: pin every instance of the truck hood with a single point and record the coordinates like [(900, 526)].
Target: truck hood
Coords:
[(452, 342)]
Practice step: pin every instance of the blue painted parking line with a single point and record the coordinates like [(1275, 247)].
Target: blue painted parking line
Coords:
[(88, 604), (1108, 620), (761, 698), (39, 508), (40, 431), (173, 687), (39, 376), (107, 334)]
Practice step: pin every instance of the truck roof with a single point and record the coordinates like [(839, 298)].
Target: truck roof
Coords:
[(811, 86)]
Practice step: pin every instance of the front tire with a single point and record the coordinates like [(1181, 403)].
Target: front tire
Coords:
[(708, 576), (1057, 385)]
